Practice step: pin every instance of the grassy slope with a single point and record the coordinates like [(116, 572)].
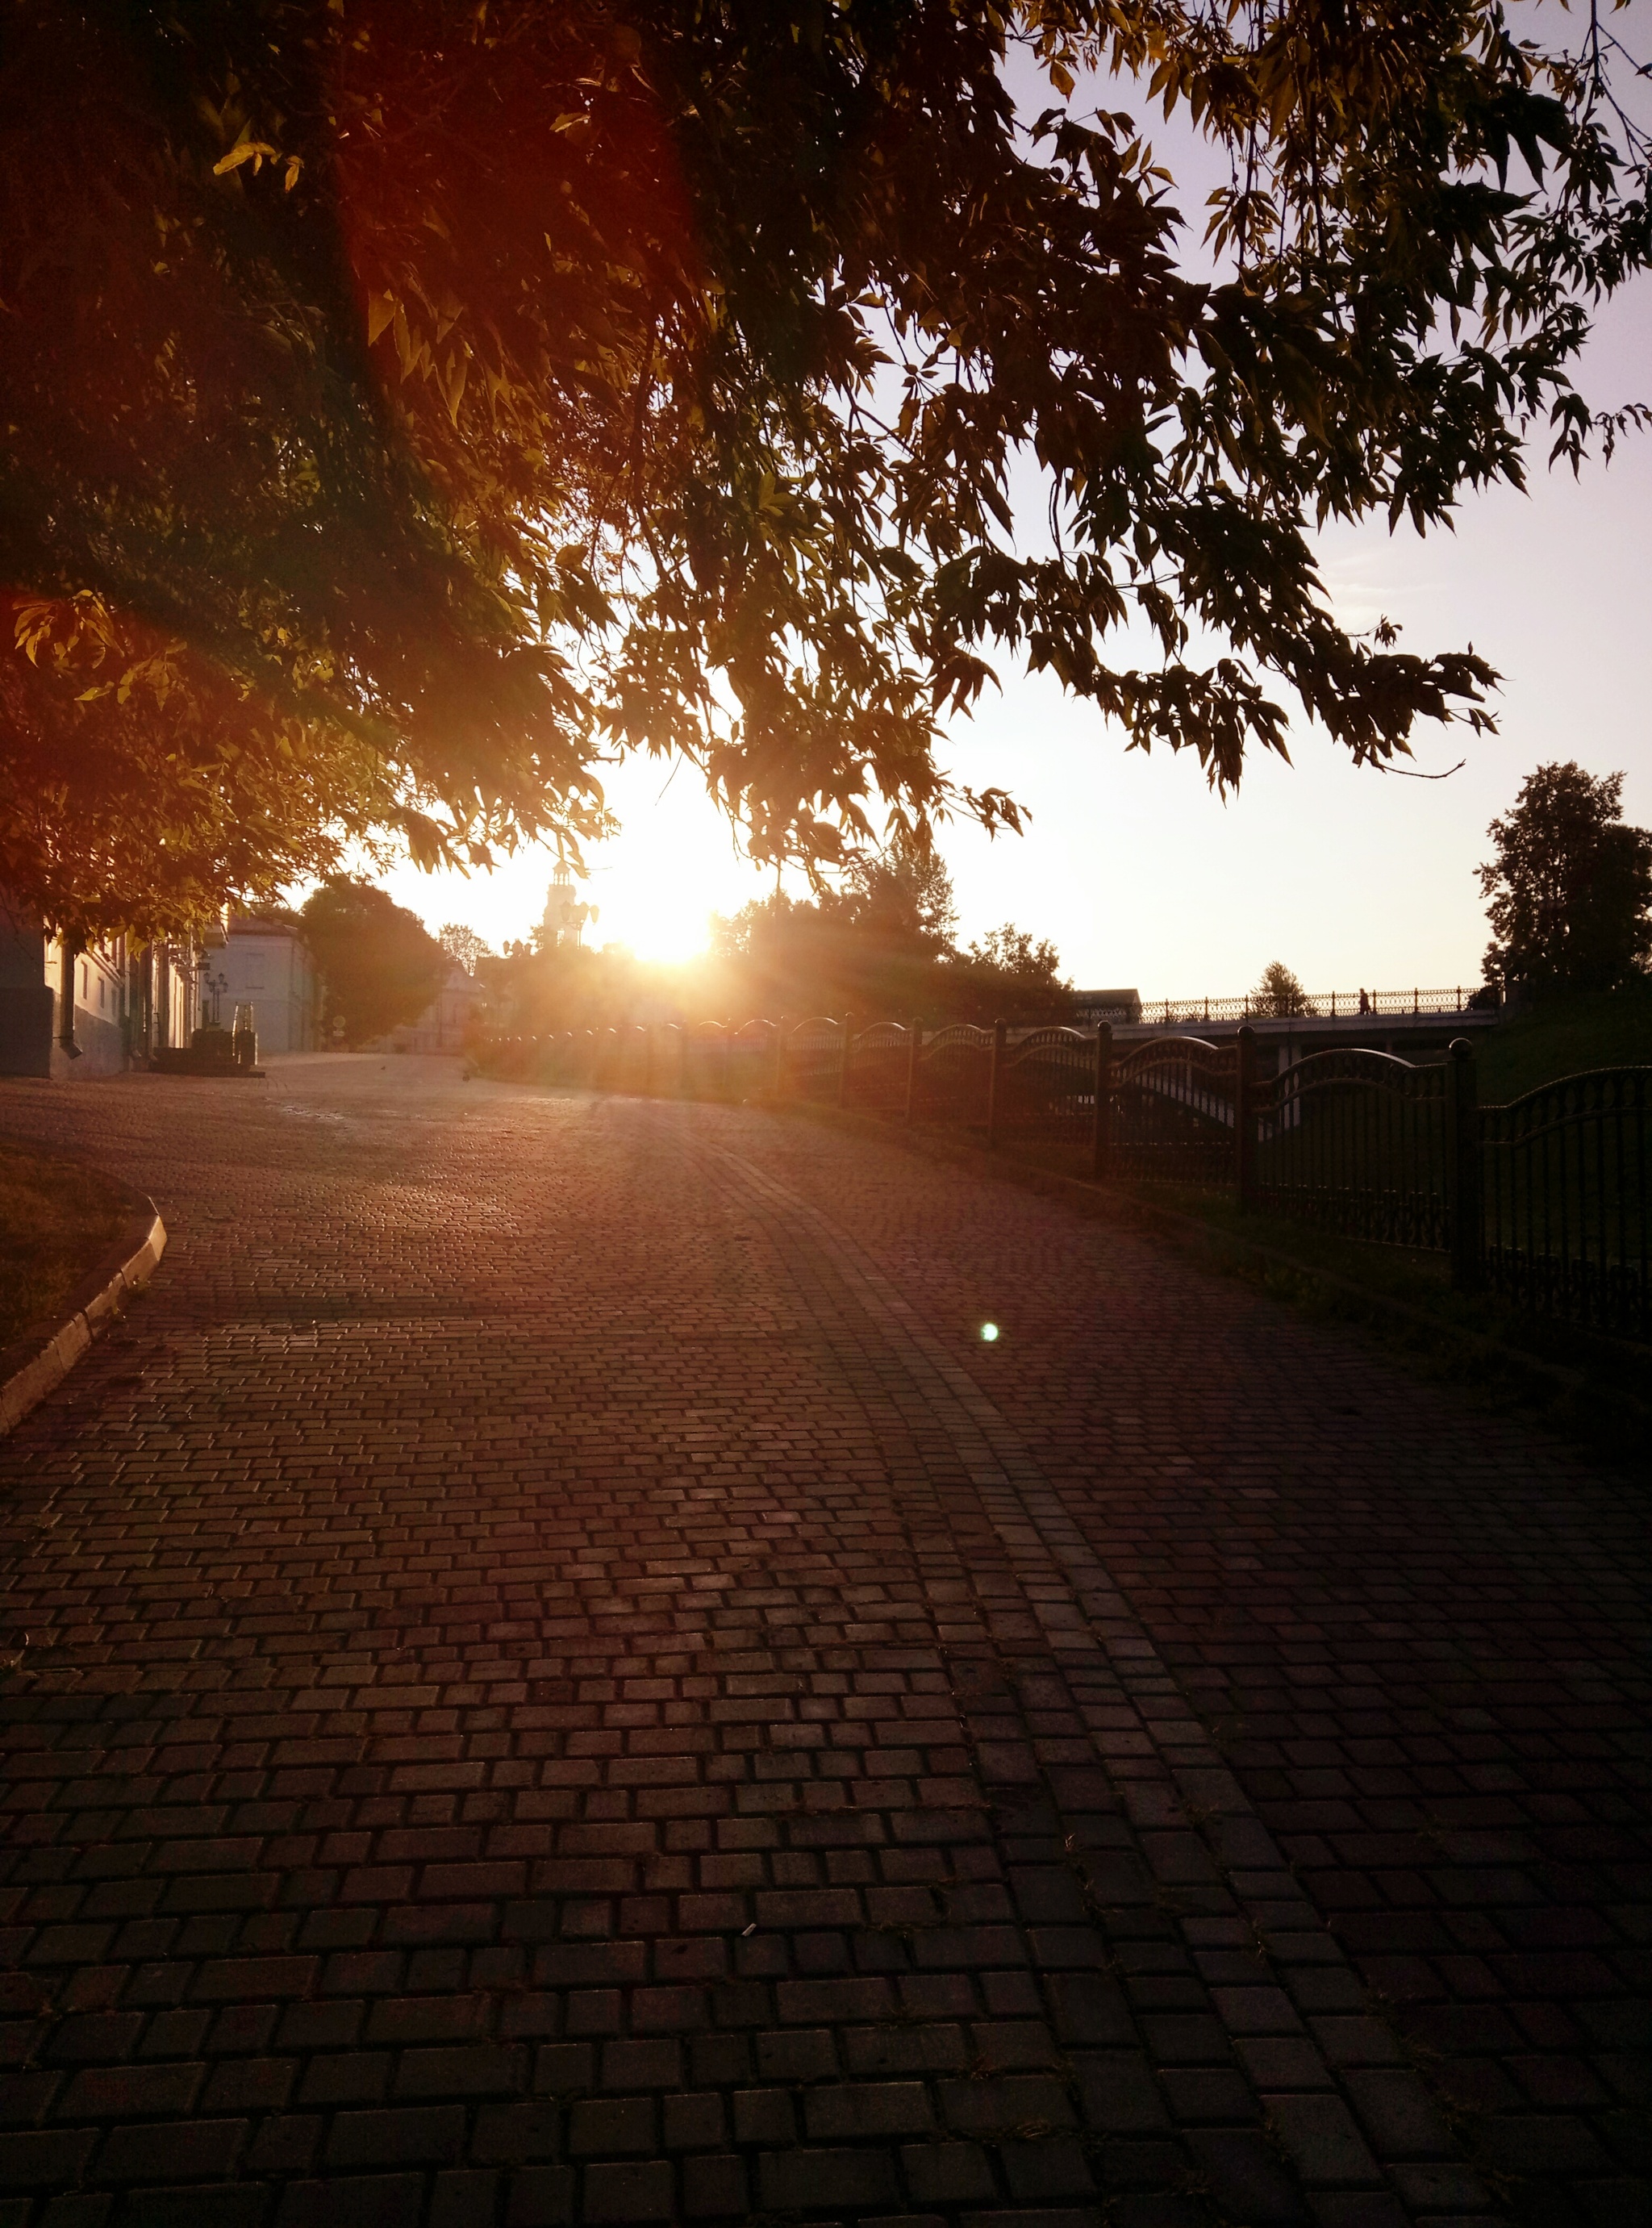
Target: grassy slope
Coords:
[(1611, 1029), (56, 1220), (1565, 1038)]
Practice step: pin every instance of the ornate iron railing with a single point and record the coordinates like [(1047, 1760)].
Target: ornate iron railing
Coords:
[(1174, 1112), (752, 1060), (1046, 1090), (1564, 1200), (952, 1082), (814, 1058), (1357, 1143), (879, 1069), (706, 1054)]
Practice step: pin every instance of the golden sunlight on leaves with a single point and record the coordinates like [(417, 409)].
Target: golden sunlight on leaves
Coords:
[(467, 398)]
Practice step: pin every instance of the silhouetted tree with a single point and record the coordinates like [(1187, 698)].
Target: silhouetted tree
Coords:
[(1279, 995), (463, 944), (379, 964), (1570, 890), (1006, 976), (884, 946)]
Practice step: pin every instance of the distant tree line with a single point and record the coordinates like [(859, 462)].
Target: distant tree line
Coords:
[(882, 946), (1569, 899)]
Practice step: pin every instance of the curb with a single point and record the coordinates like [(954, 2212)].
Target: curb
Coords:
[(30, 1368)]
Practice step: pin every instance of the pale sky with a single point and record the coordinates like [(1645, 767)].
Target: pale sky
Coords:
[(1141, 876)]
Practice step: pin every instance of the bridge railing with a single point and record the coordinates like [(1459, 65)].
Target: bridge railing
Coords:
[(1545, 1201), (1319, 1005), (878, 1078)]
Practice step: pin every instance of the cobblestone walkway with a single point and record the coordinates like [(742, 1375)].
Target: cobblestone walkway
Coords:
[(564, 1682)]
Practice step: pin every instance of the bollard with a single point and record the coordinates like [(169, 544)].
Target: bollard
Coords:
[(843, 1060), (914, 1053)]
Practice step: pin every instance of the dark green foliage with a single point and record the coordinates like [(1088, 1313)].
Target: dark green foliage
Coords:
[(463, 944), (1570, 890), (378, 964), (1005, 976), (1565, 1035), (882, 948), (406, 405)]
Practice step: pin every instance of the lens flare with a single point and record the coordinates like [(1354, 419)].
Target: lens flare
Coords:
[(990, 1332)]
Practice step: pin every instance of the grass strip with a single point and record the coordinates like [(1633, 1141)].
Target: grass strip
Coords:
[(1592, 1392), (57, 1220)]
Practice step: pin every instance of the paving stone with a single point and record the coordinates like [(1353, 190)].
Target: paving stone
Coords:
[(947, 2173), (799, 2179), (1319, 2133), (540, 2197), (221, 2205), (521, 1542), (631, 2192), (386, 2200), (714, 2188)]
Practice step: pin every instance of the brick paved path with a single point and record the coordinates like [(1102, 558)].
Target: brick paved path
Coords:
[(565, 1683)]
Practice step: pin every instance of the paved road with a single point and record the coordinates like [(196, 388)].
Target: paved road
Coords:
[(566, 1683)]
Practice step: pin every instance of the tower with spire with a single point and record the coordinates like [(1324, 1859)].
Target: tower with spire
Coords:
[(563, 925)]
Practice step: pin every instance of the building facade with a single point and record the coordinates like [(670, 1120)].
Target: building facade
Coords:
[(447, 1023), (265, 964), (80, 1013)]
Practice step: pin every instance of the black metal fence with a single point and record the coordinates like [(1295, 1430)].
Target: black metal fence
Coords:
[(1563, 1224), (1544, 1201), (1358, 1143), (1173, 1114)]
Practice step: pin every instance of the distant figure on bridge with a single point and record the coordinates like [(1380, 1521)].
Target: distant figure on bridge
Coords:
[(1365, 1003)]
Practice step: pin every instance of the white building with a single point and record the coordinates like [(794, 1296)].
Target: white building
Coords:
[(446, 1024), (265, 964)]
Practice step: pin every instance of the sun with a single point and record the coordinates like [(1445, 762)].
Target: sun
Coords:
[(652, 901), (664, 935)]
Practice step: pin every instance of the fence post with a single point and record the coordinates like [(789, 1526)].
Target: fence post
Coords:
[(780, 1057), (843, 1063), (1244, 1118), (914, 1052), (994, 1074), (1464, 1199), (1101, 1148)]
